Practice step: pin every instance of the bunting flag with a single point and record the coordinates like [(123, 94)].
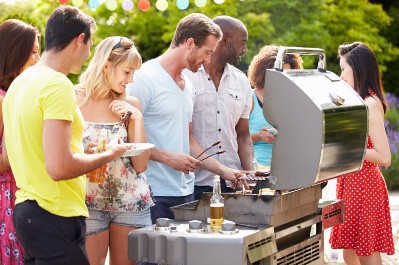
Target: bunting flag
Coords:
[(143, 5)]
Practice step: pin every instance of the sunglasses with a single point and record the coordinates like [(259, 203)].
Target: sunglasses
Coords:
[(217, 153), (123, 42)]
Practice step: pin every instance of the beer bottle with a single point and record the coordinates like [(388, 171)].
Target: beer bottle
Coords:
[(98, 174), (217, 205)]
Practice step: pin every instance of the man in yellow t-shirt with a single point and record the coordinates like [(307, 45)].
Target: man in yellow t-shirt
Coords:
[(43, 132)]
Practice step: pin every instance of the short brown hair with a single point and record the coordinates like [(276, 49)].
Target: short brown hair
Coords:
[(196, 26), (265, 60), (65, 24), (17, 39)]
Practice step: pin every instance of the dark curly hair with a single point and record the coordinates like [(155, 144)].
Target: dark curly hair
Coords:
[(265, 60)]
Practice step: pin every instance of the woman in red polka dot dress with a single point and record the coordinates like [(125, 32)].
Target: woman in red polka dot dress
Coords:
[(367, 230)]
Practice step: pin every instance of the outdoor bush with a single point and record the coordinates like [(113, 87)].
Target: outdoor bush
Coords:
[(391, 173)]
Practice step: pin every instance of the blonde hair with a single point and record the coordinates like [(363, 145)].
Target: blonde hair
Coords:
[(93, 82)]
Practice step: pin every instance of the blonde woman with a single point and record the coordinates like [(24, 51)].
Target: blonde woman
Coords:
[(122, 202)]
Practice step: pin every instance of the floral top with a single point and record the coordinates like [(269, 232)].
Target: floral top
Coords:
[(123, 190)]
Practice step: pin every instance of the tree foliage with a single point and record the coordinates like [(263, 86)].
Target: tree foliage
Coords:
[(304, 23), (391, 77)]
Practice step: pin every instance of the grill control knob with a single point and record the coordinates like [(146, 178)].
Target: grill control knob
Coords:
[(162, 224), (195, 226), (229, 228)]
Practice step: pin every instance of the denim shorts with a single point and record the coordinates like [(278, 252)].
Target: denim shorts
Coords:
[(99, 221)]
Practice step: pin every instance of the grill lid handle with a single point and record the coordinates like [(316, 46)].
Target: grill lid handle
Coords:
[(283, 50)]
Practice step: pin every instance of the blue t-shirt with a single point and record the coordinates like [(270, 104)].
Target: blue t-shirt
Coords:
[(262, 150), (167, 112)]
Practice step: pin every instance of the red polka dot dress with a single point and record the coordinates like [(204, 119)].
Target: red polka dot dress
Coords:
[(367, 224)]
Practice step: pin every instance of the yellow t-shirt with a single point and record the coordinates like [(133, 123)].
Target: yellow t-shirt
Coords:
[(39, 94)]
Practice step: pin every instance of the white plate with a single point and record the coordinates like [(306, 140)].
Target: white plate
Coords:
[(137, 148)]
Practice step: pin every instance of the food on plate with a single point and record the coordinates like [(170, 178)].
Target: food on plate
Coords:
[(130, 146)]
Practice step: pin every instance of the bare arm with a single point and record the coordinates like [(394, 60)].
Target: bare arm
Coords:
[(245, 147), (60, 162), (262, 135), (4, 163), (135, 130), (381, 153), (180, 162), (136, 134), (211, 164)]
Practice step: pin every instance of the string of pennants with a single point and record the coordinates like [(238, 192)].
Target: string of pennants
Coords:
[(143, 5)]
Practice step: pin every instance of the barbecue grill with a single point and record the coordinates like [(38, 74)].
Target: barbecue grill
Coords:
[(322, 123), (322, 132)]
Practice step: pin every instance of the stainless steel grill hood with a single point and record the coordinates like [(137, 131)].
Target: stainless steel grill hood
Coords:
[(317, 139), (321, 122)]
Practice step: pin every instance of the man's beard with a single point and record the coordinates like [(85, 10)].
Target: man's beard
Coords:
[(192, 63)]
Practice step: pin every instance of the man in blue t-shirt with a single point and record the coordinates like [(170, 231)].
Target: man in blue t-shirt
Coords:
[(167, 101)]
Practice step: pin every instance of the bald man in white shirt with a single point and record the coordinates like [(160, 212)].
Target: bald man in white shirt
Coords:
[(222, 105)]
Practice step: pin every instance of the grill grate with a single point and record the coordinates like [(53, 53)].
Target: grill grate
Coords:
[(305, 255), (252, 177)]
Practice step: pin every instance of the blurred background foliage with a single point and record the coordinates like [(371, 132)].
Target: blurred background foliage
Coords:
[(306, 23), (391, 173)]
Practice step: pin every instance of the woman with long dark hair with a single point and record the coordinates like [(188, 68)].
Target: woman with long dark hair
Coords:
[(19, 49), (367, 230)]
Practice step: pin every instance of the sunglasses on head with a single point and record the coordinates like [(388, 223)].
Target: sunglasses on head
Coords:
[(123, 42)]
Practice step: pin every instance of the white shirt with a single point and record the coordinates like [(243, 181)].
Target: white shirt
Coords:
[(216, 114)]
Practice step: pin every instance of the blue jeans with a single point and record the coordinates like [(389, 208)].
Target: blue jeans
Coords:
[(161, 209), (49, 238)]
